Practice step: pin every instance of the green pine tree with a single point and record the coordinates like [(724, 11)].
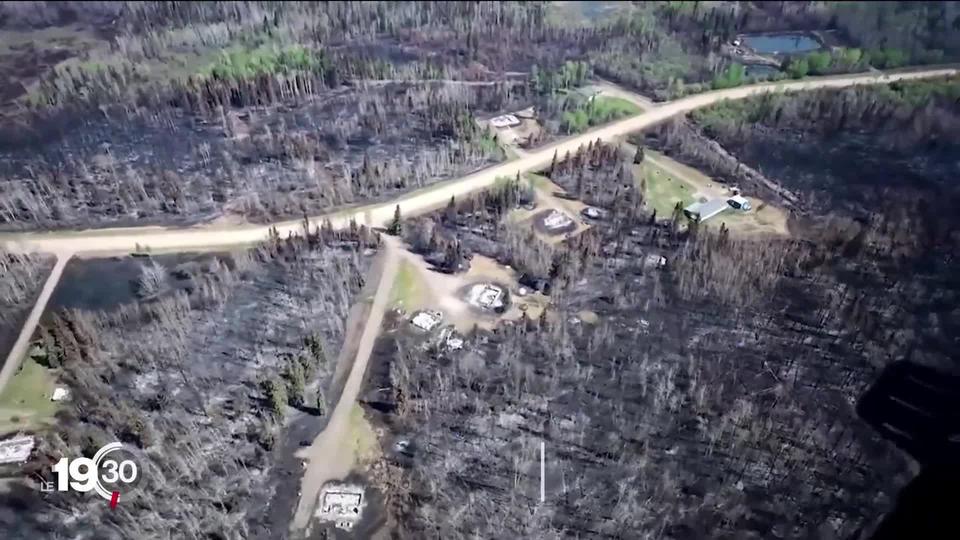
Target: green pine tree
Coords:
[(277, 396), (296, 382), (396, 226)]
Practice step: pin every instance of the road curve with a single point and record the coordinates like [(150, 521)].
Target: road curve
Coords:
[(92, 242)]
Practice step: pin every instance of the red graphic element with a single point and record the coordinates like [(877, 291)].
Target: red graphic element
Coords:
[(115, 499)]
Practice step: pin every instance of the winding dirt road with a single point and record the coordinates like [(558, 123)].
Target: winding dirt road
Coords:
[(109, 241)]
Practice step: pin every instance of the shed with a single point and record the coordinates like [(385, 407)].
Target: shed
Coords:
[(706, 210)]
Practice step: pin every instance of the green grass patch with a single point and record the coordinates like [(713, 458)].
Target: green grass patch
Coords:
[(25, 402), (596, 111), (407, 290), (362, 436), (244, 63), (664, 190), (614, 107), (585, 14), (489, 145)]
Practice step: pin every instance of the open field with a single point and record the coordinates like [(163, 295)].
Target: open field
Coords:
[(585, 14), (25, 401), (663, 190), (613, 107), (545, 195), (596, 110), (409, 289), (669, 181)]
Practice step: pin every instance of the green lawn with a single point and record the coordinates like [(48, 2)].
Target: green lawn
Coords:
[(489, 145), (407, 290), (584, 14), (614, 107), (25, 402), (598, 110), (664, 189), (362, 436)]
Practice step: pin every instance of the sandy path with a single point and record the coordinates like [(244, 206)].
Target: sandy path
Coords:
[(330, 456), (20, 347), (126, 240)]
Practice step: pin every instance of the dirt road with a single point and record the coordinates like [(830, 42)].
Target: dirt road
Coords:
[(20, 347), (157, 238), (330, 456), (606, 88)]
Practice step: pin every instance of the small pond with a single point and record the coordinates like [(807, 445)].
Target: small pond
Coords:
[(781, 43), (103, 284)]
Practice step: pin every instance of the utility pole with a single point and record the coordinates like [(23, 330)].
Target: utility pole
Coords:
[(543, 470)]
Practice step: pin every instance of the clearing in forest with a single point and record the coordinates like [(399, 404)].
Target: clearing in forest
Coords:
[(408, 288), (362, 437), (448, 292), (26, 400), (550, 196), (597, 110), (663, 190), (669, 181), (584, 14)]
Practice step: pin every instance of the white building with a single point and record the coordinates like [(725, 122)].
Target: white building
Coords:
[(60, 393), (557, 220), (504, 121), (427, 320), (16, 449), (703, 211)]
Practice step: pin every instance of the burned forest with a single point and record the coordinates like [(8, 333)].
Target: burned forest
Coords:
[(207, 380), (712, 397), (281, 118), (477, 270)]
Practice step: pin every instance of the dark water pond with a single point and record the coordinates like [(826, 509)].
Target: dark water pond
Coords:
[(781, 43), (102, 284)]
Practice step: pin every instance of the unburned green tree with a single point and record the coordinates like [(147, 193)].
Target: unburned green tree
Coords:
[(396, 226), (277, 396)]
